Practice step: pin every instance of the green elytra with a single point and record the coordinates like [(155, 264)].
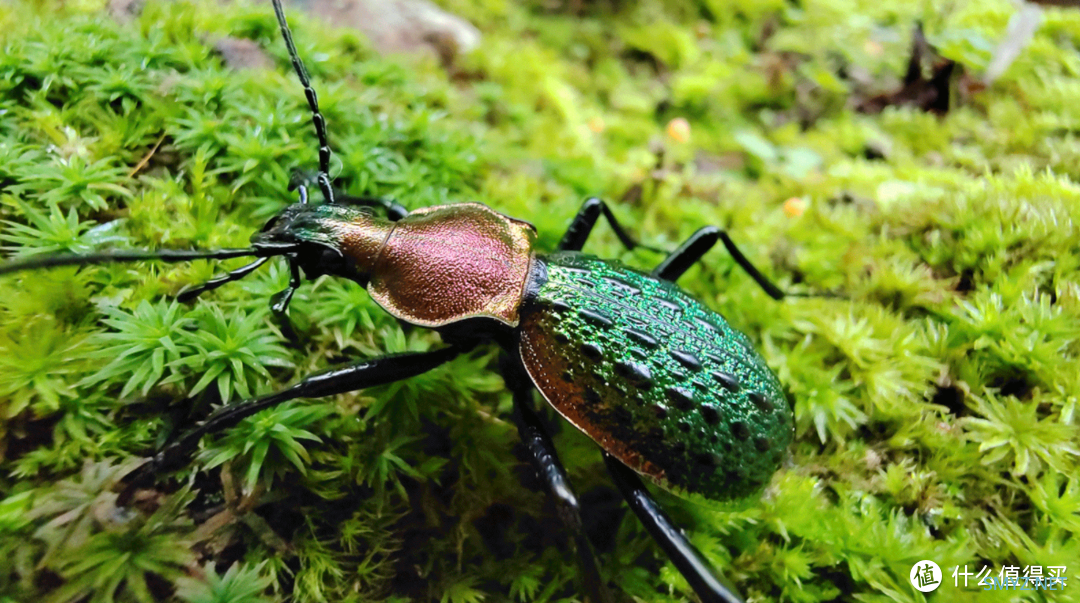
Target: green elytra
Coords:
[(658, 373)]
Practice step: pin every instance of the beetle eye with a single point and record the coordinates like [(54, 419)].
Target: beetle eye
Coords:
[(331, 256)]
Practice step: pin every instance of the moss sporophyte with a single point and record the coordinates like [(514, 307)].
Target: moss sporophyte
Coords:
[(926, 416)]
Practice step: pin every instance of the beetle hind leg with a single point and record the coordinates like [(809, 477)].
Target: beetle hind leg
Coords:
[(549, 469), (678, 261)]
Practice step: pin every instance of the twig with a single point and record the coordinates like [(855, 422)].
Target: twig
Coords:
[(146, 159)]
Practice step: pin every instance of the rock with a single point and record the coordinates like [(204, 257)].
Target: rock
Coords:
[(239, 53), (403, 26), (393, 26), (125, 11)]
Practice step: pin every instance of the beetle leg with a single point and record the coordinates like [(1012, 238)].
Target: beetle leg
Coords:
[(189, 293), (288, 331), (766, 285), (585, 220), (361, 375), (687, 559), (692, 250), (678, 261), (545, 461), (394, 210), (699, 243), (279, 303)]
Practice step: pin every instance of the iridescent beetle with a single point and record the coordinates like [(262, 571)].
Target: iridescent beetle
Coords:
[(662, 384)]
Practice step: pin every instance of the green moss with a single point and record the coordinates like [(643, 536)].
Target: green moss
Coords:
[(935, 397)]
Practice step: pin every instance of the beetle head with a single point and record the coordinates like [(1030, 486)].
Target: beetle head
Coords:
[(333, 239), (324, 239)]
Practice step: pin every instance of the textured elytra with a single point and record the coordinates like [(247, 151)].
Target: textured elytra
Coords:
[(656, 378)]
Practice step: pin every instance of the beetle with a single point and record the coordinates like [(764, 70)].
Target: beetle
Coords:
[(665, 386)]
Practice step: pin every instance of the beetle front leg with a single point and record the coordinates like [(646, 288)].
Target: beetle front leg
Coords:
[(687, 559), (545, 461), (361, 375), (394, 210), (585, 220)]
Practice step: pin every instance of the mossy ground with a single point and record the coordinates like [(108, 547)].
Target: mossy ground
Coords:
[(935, 399)]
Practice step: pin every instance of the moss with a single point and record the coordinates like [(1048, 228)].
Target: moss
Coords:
[(935, 395)]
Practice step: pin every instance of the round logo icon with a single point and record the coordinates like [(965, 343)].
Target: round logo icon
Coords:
[(925, 576)]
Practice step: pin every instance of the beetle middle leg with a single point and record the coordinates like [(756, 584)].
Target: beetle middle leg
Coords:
[(687, 559), (549, 469), (360, 375)]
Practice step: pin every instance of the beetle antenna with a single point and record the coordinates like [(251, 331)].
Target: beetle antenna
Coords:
[(116, 257), (313, 102)]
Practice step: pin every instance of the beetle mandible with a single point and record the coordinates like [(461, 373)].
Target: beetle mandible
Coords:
[(662, 384)]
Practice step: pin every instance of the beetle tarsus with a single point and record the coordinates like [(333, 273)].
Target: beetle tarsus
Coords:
[(361, 375), (280, 300), (288, 330), (279, 303)]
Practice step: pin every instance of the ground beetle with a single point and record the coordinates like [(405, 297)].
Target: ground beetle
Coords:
[(663, 384)]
